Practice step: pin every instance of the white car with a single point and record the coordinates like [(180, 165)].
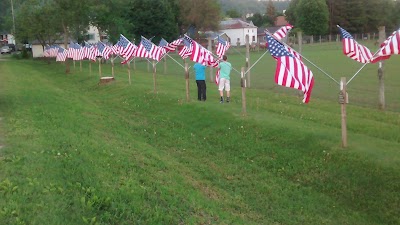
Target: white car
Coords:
[(5, 50)]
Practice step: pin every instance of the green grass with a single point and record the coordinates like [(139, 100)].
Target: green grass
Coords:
[(79, 153)]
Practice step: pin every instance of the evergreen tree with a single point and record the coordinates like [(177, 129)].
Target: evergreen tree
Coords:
[(312, 16), (152, 18)]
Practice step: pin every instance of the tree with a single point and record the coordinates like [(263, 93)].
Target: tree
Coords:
[(103, 16), (271, 11), (312, 16), (233, 13), (202, 14), (153, 18), (72, 17), (34, 23), (291, 12)]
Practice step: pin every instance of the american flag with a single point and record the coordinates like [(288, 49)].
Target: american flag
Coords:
[(117, 48), (290, 71), (187, 48), (104, 50), (92, 53), (61, 55), (354, 50), (169, 47), (128, 47), (141, 51), (222, 46), (282, 32), (391, 46), (154, 51)]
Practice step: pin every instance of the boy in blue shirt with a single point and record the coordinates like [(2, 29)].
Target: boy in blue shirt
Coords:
[(200, 71)]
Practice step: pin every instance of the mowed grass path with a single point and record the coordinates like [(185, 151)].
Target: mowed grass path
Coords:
[(79, 153)]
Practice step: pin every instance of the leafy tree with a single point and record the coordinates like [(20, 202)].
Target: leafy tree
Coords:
[(233, 13), (34, 23), (312, 16), (103, 16), (257, 19), (291, 12), (271, 11), (73, 18), (152, 18), (202, 14)]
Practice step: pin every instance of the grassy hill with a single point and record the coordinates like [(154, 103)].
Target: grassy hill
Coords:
[(76, 152)]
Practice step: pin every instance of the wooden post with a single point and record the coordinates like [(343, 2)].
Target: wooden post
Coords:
[(90, 68), (248, 58), (74, 63), (129, 71), (343, 100), (100, 67), (154, 77), (112, 66), (165, 65), (382, 37), (211, 68), (80, 65), (187, 81), (300, 40), (148, 66), (243, 85)]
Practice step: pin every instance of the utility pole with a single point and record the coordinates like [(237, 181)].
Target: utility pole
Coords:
[(13, 18)]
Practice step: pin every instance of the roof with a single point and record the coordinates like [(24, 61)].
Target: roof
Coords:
[(280, 21), (214, 35), (235, 24)]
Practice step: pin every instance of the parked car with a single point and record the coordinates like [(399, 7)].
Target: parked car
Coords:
[(5, 50)]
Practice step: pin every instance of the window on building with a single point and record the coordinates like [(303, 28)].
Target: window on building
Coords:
[(90, 37), (254, 38)]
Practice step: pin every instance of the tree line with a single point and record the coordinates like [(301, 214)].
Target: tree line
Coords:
[(319, 17)]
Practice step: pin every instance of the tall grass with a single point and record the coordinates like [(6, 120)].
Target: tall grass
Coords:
[(81, 153)]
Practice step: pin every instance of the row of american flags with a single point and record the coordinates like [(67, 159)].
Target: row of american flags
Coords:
[(362, 54), (290, 69), (145, 49)]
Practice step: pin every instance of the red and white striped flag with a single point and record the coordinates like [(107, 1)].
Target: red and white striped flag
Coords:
[(61, 55), (222, 47), (186, 51), (282, 32), (169, 47), (290, 71), (352, 49), (391, 46), (154, 51)]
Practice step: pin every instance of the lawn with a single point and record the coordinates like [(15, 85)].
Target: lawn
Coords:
[(75, 152)]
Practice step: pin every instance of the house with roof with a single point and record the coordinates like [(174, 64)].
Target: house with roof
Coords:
[(237, 29), (92, 37)]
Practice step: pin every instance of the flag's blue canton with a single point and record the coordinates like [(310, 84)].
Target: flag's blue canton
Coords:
[(187, 41), (87, 45), (100, 46), (222, 41), (276, 49), (123, 42), (76, 46), (345, 34), (163, 43), (71, 44), (147, 44), (60, 50)]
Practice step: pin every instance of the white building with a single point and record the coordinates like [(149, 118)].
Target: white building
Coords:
[(6, 38), (92, 34), (237, 29)]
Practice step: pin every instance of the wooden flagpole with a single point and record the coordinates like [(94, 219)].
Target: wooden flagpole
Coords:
[(243, 85), (343, 100), (129, 71), (187, 81), (154, 77)]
